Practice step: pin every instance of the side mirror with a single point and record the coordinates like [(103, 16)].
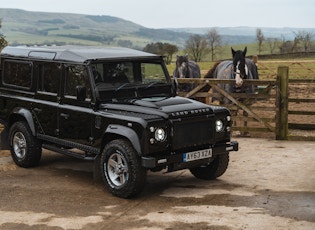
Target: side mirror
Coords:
[(81, 93)]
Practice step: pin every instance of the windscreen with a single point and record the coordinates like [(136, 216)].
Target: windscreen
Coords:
[(130, 79), (118, 73)]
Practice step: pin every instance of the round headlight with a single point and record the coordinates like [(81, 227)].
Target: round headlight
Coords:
[(219, 126), (160, 134)]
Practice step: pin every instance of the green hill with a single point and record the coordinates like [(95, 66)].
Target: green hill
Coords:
[(39, 28)]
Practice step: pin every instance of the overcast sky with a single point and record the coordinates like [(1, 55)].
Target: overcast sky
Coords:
[(185, 13)]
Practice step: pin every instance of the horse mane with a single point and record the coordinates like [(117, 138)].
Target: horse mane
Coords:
[(210, 73)]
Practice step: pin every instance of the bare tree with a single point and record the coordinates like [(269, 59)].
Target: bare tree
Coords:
[(196, 47), (295, 43), (260, 38), (285, 46), (305, 38), (214, 41), (273, 44), (3, 42)]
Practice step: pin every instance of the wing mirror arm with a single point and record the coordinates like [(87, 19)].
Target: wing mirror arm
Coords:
[(81, 93), (175, 85)]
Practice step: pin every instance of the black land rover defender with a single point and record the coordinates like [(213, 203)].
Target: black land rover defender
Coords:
[(117, 107)]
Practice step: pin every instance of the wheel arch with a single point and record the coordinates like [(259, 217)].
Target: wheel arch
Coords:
[(120, 131), (19, 114)]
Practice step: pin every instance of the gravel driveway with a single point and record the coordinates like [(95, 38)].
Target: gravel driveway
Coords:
[(269, 185)]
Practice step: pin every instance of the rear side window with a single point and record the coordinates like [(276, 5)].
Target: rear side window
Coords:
[(18, 74), (49, 75)]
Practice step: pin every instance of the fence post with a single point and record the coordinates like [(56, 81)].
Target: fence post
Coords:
[(282, 103)]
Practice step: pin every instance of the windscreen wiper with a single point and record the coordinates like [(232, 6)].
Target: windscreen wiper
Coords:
[(122, 86), (152, 84)]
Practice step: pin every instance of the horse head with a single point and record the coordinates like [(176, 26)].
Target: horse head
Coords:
[(240, 69), (182, 66)]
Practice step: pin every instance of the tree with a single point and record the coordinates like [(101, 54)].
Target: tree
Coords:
[(164, 49), (305, 38), (272, 43), (3, 42), (284, 45), (170, 50), (296, 41), (196, 46), (260, 38), (214, 42)]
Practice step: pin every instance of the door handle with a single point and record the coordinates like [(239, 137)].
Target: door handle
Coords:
[(38, 110), (64, 115)]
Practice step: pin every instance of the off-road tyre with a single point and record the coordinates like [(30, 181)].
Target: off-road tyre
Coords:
[(121, 169), (26, 150), (214, 170)]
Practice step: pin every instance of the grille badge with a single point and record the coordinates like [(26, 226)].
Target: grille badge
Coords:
[(187, 112)]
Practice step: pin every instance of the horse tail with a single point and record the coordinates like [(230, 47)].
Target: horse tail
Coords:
[(210, 73)]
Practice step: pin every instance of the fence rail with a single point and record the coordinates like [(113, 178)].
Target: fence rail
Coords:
[(301, 109), (302, 69), (251, 112), (278, 108)]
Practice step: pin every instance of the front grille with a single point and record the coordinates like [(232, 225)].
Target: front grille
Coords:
[(192, 131)]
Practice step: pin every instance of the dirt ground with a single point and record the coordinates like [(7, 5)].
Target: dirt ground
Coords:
[(269, 185)]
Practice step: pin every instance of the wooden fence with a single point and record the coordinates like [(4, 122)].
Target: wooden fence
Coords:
[(300, 69), (301, 109), (274, 109)]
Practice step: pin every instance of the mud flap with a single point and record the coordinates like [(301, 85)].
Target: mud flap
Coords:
[(4, 140), (97, 176)]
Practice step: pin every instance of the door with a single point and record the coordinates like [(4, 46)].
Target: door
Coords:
[(45, 106), (74, 115)]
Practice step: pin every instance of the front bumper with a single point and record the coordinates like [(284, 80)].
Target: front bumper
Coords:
[(176, 162)]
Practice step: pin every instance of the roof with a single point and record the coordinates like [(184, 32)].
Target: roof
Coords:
[(79, 54)]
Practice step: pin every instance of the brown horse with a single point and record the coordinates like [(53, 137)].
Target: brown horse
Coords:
[(238, 69)]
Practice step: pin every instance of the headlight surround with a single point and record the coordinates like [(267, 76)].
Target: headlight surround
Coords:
[(158, 134), (219, 126)]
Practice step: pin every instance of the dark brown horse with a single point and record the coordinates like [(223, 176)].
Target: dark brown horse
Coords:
[(186, 69)]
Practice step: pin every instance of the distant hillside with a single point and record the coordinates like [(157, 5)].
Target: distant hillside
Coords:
[(248, 33), (25, 27), (38, 28)]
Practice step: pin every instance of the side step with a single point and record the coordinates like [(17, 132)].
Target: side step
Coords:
[(69, 153)]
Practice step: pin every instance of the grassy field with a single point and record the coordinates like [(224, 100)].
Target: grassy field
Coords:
[(267, 69)]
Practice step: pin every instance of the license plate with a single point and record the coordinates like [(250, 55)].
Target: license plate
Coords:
[(197, 155)]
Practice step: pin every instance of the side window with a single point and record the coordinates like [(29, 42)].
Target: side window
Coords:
[(77, 75), (49, 75), (18, 74)]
